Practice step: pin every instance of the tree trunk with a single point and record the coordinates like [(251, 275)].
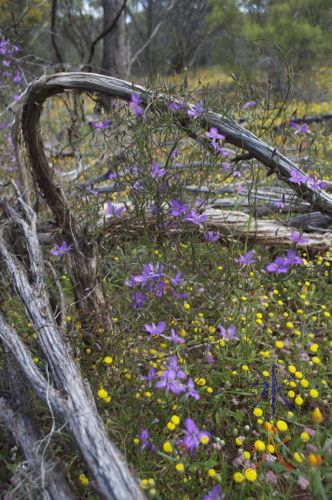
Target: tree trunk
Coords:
[(114, 51)]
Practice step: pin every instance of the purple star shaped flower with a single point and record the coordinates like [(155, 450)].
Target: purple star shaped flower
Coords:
[(195, 110), (145, 439), (211, 236), (178, 208), (299, 128), (297, 238), (156, 329), (297, 178), (135, 104), (279, 266), (60, 250), (195, 218), (192, 435), (247, 259), (214, 134), (157, 171), (214, 494), (228, 334)]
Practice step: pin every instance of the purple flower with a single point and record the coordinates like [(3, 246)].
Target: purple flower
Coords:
[(297, 178), (192, 435), (155, 329), (178, 209), (249, 104), (157, 171), (279, 266), (145, 439), (177, 280), (195, 217), (195, 111), (300, 129), (303, 483), (135, 104), (168, 380), (60, 250), (214, 494), (211, 236), (228, 334), (114, 211), (152, 375), (247, 259), (226, 167), (175, 106), (112, 176), (214, 135), (297, 238), (138, 300), (151, 273), (292, 259), (315, 183), (17, 77), (270, 477), (175, 338), (191, 391), (101, 125)]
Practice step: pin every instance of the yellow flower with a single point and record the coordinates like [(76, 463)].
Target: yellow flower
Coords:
[(314, 347), (238, 477), (102, 394), (187, 306), (305, 437), (251, 475), (317, 416), (245, 368), (83, 479), (108, 360), (298, 457), (204, 439), (179, 467), (279, 344), (282, 425), (246, 455), (170, 426), (298, 400), (289, 325), (316, 360), (291, 369), (304, 382), (314, 393), (167, 447), (175, 420), (239, 441), (259, 445), (258, 412), (212, 472)]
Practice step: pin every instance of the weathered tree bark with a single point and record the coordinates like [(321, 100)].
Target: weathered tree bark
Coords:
[(66, 394), (15, 414), (115, 58)]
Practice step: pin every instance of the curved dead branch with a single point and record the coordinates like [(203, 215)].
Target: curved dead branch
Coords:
[(48, 86)]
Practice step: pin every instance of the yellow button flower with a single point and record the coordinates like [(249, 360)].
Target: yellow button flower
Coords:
[(259, 445), (167, 447), (238, 477), (251, 475), (317, 416), (282, 425)]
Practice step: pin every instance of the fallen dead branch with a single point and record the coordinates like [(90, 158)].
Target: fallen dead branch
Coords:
[(66, 394)]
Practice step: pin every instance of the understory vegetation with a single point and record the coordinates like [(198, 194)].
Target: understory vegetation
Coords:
[(213, 375)]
